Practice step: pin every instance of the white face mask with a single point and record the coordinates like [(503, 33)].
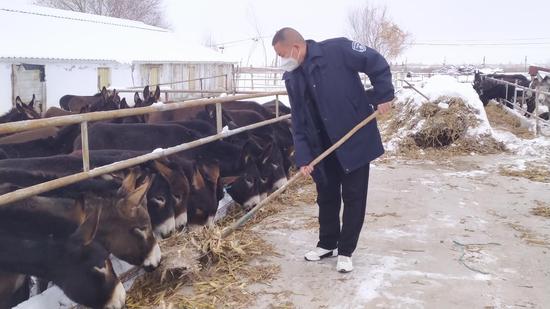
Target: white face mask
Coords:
[(289, 64)]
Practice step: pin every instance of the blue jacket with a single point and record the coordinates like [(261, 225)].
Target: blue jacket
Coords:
[(332, 68)]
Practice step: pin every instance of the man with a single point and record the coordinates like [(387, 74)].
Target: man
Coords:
[(327, 100)]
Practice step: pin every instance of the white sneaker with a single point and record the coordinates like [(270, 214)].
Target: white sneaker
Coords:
[(344, 264), (319, 253)]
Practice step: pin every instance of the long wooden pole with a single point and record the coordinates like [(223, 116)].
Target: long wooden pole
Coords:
[(227, 231)]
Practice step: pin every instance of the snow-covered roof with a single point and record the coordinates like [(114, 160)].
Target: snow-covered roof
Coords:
[(34, 32)]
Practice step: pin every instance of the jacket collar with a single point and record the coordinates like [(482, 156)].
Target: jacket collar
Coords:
[(314, 55)]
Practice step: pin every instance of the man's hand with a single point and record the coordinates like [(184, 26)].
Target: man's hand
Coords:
[(384, 107), (306, 170)]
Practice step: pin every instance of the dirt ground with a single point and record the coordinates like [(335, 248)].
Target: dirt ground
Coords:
[(447, 234)]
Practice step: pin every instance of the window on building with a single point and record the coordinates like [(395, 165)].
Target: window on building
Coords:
[(103, 78)]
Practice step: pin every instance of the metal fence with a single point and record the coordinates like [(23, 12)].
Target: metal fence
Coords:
[(191, 93), (84, 119), (519, 106)]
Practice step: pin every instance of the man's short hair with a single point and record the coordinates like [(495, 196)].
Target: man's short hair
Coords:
[(287, 35)]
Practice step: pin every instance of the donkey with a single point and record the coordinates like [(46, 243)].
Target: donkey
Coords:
[(78, 264), (21, 111)]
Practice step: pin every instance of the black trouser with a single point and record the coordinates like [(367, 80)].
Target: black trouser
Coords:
[(352, 188)]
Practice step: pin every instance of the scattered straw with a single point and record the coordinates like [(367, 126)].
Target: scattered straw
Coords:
[(542, 209), (529, 236), (499, 118), (226, 267), (532, 171), (311, 223)]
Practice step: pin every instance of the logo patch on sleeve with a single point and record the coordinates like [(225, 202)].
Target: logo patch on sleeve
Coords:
[(358, 47)]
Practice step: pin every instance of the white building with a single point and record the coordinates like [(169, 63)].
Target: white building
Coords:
[(51, 53)]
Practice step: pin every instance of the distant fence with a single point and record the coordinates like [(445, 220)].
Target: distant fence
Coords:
[(269, 79)]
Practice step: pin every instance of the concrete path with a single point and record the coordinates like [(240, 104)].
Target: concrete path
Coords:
[(455, 234)]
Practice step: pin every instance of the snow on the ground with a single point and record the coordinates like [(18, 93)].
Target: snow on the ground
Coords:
[(538, 147), (51, 298)]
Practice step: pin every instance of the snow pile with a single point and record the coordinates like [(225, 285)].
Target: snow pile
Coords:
[(453, 116), (538, 147)]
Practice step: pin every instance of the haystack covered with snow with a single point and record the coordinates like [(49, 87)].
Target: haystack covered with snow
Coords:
[(452, 117)]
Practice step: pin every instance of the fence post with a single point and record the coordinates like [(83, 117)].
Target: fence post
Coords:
[(506, 96), (218, 117), (202, 93), (536, 111), (515, 93), (166, 96), (85, 148), (226, 85), (276, 106), (252, 80), (523, 99)]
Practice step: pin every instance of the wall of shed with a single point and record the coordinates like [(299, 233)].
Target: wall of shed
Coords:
[(5, 88), (177, 72), (62, 79), (82, 79)]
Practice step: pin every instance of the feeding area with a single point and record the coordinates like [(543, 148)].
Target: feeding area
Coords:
[(140, 168)]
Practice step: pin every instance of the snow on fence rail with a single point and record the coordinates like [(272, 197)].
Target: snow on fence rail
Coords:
[(83, 119)]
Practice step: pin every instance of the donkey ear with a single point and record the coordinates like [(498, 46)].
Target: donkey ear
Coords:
[(123, 103), (18, 101), (129, 182), (164, 171), (198, 181), (85, 233), (135, 197), (31, 103), (146, 93), (267, 153), (137, 99), (19, 107), (157, 93)]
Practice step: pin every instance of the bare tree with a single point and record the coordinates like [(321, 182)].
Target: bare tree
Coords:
[(148, 11), (371, 25)]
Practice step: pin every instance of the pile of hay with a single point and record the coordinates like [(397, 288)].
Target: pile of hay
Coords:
[(219, 270), (452, 120)]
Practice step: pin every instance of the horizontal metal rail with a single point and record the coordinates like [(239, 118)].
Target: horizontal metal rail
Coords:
[(179, 82), (521, 109), (201, 91), (517, 86), (156, 154), (18, 126)]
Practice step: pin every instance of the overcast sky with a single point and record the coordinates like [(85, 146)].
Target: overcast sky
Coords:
[(429, 21)]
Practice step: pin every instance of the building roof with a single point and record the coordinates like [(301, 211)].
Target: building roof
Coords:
[(34, 32)]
